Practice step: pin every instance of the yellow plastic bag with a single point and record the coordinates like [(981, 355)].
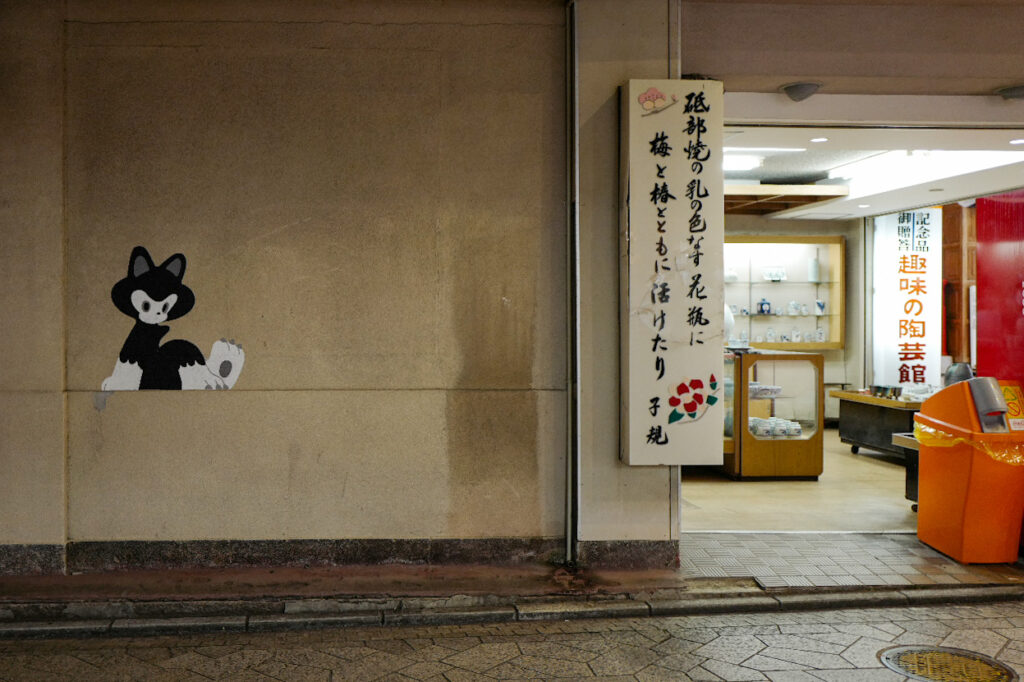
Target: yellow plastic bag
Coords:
[(1011, 452)]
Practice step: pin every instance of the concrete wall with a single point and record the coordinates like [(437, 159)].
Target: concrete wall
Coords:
[(31, 276), (616, 43), (370, 196), (371, 201), (911, 47)]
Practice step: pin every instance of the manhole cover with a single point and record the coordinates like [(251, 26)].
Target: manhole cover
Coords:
[(945, 664)]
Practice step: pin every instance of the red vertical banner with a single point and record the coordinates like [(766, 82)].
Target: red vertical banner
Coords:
[(1000, 308)]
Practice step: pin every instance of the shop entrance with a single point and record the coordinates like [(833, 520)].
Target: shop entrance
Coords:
[(856, 510)]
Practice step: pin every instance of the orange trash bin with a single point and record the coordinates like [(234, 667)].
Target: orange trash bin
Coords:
[(970, 476)]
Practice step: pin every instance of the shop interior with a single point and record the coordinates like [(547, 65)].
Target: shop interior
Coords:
[(800, 209)]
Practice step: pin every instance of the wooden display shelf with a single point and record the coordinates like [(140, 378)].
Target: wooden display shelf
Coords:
[(801, 345), (749, 255)]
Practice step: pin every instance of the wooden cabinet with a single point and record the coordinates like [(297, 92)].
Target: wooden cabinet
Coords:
[(777, 410), (786, 293)]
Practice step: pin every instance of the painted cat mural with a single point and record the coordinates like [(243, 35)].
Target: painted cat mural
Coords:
[(150, 295)]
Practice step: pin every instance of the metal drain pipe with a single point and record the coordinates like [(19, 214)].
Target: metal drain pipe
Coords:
[(572, 351)]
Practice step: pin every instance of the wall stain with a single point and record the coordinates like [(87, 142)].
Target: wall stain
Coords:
[(491, 413)]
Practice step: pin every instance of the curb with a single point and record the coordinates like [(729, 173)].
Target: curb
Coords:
[(112, 619)]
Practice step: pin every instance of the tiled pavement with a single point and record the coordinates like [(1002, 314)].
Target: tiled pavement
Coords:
[(778, 560), (815, 646)]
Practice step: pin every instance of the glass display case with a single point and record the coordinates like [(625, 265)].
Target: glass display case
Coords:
[(785, 293), (777, 411)]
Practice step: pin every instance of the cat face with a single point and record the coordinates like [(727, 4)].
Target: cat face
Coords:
[(153, 294), (150, 311)]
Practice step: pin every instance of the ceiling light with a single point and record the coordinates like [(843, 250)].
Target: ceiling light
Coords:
[(798, 92), (740, 162), (1017, 141), (897, 169), (819, 139), (1011, 92), (767, 150), (863, 205)]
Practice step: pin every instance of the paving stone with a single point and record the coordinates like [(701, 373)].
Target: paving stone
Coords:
[(733, 673), (674, 645), (456, 675), (286, 672), (791, 676), (457, 643), (583, 609), (874, 675), (916, 639), (983, 641), (864, 652), (399, 647), (546, 668), (304, 657), (810, 659), (731, 649), (700, 674), (371, 667), (864, 630), (623, 660), (681, 662), (801, 643), (63, 664), (426, 670), (483, 657), (655, 673), (767, 663), (559, 651)]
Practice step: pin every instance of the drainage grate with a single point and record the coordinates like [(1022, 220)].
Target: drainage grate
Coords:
[(943, 664)]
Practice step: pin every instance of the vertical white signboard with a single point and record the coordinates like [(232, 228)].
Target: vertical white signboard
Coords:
[(908, 298), (671, 272)]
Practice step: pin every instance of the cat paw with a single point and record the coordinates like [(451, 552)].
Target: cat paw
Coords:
[(226, 361), (198, 377), (126, 377)]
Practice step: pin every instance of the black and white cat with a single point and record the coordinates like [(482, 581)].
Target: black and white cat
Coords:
[(151, 295)]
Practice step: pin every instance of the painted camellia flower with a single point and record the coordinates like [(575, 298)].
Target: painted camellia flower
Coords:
[(692, 399)]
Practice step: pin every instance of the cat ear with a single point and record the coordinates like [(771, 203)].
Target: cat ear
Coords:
[(175, 265), (140, 262)]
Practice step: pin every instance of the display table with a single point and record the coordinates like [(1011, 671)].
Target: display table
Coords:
[(867, 421)]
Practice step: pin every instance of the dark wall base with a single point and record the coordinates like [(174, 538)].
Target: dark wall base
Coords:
[(110, 556), (31, 559), (125, 555), (635, 554)]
